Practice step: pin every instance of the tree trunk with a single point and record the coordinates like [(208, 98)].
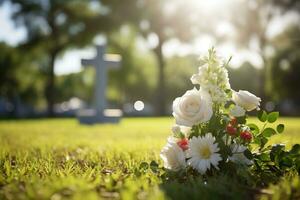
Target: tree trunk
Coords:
[(264, 72), (49, 90), (263, 79), (160, 100)]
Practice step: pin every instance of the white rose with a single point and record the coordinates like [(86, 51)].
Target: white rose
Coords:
[(192, 108), (173, 156), (237, 111), (246, 100)]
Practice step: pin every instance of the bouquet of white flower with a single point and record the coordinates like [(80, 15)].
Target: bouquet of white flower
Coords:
[(212, 133)]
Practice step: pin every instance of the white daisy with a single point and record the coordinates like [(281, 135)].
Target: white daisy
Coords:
[(203, 153), (173, 156), (238, 155)]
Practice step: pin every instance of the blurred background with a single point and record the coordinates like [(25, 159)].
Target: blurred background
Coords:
[(43, 41)]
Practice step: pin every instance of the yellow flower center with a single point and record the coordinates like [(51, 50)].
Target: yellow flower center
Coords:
[(205, 152)]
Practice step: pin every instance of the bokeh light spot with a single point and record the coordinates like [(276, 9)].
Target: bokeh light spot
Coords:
[(139, 105)]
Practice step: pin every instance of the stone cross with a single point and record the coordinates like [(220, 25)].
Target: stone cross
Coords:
[(101, 62)]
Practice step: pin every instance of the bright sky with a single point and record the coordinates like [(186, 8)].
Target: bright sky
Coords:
[(70, 61), (8, 32)]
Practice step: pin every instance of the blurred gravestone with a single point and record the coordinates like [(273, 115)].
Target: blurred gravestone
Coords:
[(99, 112)]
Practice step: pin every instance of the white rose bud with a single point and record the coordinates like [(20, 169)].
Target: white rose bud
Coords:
[(192, 108), (237, 111), (246, 100)]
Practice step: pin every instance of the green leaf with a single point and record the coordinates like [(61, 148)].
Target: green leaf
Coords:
[(268, 132), (286, 161), (228, 91), (262, 116), (272, 117), (154, 166), (263, 141), (280, 128), (295, 149), (254, 129), (276, 150), (257, 140), (144, 165), (179, 135), (241, 120), (248, 154), (297, 162), (228, 104), (264, 157)]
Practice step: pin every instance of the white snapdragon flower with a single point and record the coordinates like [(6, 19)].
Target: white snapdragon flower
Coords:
[(192, 108), (213, 77), (246, 100), (203, 153), (173, 156), (238, 155)]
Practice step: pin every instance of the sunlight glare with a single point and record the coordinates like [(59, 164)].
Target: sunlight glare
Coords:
[(209, 6)]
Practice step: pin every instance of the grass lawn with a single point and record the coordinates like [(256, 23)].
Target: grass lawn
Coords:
[(61, 159)]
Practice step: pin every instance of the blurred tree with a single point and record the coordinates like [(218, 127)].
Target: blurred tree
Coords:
[(78, 85), (132, 79), (288, 5), (178, 71), (14, 86), (252, 28), (55, 25), (9, 61), (245, 77), (158, 22), (285, 69)]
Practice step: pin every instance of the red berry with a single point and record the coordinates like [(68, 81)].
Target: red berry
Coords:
[(246, 135), (233, 121), (183, 144), (230, 129)]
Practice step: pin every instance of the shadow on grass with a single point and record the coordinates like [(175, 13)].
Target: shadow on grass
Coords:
[(221, 187)]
